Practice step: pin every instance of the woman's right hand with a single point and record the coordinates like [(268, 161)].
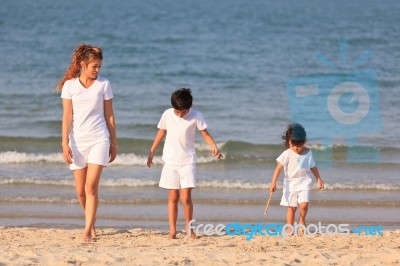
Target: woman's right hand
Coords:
[(67, 153)]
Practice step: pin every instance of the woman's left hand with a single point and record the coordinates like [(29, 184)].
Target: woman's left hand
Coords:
[(113, 152)]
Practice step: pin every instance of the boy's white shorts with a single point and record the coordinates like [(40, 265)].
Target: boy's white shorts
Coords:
[(290, 199), (178, 176), (93, 152)]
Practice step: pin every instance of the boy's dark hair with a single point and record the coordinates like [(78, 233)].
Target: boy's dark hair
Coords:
[(295, 133), (182, 99)]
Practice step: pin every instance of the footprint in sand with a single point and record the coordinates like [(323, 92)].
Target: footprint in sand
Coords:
[(173, 245), (227, 246), (198, 245)]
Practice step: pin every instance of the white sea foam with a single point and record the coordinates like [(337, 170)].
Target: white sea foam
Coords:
[(122, 159), (128, 182), (22, 157), (222, 184), (38, 200), (202, 146)]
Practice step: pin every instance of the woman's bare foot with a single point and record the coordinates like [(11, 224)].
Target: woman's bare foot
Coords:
[(87, 238), (93, 232)]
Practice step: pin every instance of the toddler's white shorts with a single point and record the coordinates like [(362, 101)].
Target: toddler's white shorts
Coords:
[(291, 198)]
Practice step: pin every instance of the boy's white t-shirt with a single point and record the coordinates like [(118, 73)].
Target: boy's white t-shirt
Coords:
[(297, 170), (179, 146), (88, 121)]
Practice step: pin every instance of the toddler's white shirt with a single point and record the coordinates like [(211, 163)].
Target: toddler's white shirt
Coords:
[(297, 170)]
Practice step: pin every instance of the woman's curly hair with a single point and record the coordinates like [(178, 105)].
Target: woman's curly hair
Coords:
[(83, 52)]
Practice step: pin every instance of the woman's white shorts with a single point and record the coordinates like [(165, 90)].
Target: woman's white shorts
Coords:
[(178, 176), (291, 199), (93, 152)]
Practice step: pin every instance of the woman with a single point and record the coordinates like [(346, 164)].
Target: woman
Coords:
[(89, 139)]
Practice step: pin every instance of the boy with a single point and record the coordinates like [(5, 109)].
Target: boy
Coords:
[(178, 175)]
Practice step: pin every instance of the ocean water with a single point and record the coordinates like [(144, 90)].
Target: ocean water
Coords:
[(237, 57)]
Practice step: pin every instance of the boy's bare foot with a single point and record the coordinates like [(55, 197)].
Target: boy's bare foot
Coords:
[(172, 235), (193, 235)]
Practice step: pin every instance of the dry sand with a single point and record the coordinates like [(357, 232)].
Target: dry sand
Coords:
[(39, 246)]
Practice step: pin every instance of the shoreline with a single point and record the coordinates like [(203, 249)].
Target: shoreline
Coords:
[(44, 246)]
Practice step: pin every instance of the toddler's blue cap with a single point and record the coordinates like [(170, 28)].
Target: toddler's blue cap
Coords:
[(298, 132)]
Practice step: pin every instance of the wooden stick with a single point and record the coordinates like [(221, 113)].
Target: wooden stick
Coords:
[(269, 200)]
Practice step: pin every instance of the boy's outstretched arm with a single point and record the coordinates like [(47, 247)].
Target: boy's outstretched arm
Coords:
[(277, 172), (210, 141), (158, 138), (315, 172)]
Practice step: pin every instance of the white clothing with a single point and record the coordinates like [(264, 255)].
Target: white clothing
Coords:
[(179, 146), (88, 121), (297, 170), (291, 198), (93, 152), (178, 176)]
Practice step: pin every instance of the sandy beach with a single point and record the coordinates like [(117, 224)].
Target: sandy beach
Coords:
[(40, 246)]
